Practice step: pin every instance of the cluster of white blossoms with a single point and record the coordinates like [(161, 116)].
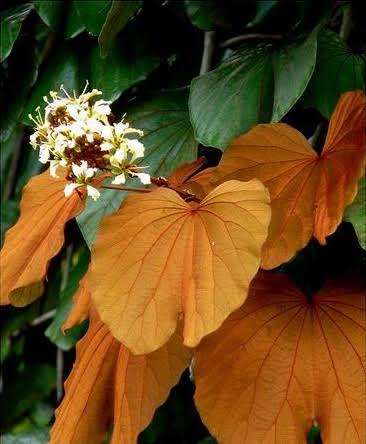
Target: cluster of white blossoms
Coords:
[(78, 133)]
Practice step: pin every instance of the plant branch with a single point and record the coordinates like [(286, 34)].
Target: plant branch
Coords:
[(346, 25), (126, 188), (11, 178), (248, 37), (208, 50), (312, 139), (60, 353)]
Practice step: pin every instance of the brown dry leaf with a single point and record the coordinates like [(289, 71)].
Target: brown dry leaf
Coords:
[(280, 362), (36, 238), (159, 258), (108, 386), (80, 305), (308, 192)]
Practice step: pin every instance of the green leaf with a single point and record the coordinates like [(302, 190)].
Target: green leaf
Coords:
[(356, 213), (314, 436), (293, 68), (169, 142), (256, 85), (117, 17), (25, 390), (74, 24), (337, 70), (42, 414), (231, 99), (50, 11), (264, 10), (168, 135), (10, 24), (90, 218), (61, 69), (4, 348), (37, 436), (20, 81), (203, 14), (6, 154), (9, 213), (28, 166), (93, 14), (122, 68), (53, 332)]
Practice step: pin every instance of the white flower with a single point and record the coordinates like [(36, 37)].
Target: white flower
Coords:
[(55, 105), (119, 156), (93, 192), (87, 96), (101, 107), (107, 132), (94, 125), (82, 171), (54, 164), (106, 146), (120, 128), (76, 111), (144, 177), (33, 139), (44, 153), (69, 188), (60, 143), (76, 129), (121, 178), (137, 148)]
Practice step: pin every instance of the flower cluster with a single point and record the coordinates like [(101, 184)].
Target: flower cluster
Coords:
[(79, 134)]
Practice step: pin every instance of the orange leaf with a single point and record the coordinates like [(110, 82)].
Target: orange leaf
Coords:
[(279, 363), (81, 305), (200, 184), (308, 192), (36, 238), (109, 385), (184, 172), (159, 258)]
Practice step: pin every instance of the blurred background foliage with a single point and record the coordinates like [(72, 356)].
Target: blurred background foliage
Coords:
[(151, 58)]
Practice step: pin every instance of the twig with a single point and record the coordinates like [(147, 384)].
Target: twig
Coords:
[(312, 139), (160, 182), (11, 179), (43, 317), (208, 50), (347, 24), (60, 353), (125, 188), (252, 36), (60, 373)]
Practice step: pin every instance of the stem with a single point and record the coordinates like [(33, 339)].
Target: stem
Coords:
[(60, 372), (252, 36), (11, 179), (126, 188), (346, 25), (43, 317), (161, 182), (60, 353), (312, 139), (208, 50)]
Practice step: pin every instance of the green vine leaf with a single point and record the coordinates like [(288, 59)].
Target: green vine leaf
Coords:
[(356, 213), (10, 24), (259, 84), (337, 70), (116, 19)]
